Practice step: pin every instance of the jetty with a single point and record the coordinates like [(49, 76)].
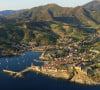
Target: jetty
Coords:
[(21, 74)]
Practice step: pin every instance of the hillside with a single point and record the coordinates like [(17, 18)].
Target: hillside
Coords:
[(51, 19), (46, 25), (94, 5)]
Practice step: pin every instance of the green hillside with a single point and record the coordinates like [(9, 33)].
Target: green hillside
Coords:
[(46, 25)]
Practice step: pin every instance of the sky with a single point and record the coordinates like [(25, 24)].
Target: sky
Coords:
[(26, 4)]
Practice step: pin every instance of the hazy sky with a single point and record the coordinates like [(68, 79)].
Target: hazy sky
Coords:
[(22, 4)]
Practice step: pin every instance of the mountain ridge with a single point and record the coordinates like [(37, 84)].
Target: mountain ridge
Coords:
[(53, 12), (94, 5)]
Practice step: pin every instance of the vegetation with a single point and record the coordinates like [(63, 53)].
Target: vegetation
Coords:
[(46, 25)]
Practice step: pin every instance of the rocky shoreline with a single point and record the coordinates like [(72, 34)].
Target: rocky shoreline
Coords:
[(78, 76)]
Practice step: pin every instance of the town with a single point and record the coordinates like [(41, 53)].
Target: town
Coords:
[(70, 58)]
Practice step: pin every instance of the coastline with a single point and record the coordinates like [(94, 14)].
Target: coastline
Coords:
[(80, 77)]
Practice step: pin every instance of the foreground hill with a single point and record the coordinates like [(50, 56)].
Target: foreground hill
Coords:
[(94, 5)]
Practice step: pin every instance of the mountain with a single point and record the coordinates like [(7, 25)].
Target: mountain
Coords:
[(53, 12), (10, 12), (45, 25), (94, 5)]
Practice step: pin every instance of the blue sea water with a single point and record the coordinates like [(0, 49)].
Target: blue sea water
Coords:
[(33, 81)]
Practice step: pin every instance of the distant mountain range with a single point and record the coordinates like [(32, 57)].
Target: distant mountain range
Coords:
[(10, 12), (94, 5)]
